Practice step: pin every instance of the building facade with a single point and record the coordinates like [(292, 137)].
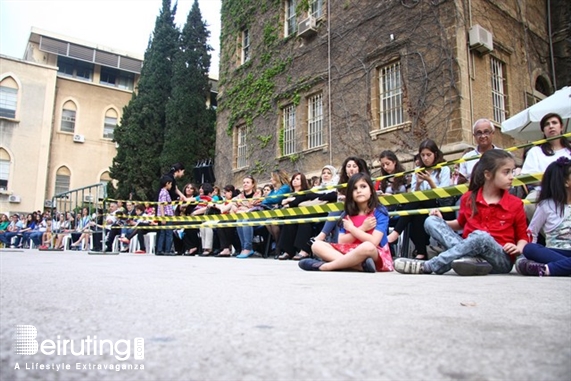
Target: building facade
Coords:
[(308, 83), (59, 106)]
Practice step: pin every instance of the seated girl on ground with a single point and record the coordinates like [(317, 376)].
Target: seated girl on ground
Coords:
[(493, 223), (362, 243), (553, 216)]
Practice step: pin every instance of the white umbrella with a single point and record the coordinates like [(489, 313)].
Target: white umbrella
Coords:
[(525, 124)]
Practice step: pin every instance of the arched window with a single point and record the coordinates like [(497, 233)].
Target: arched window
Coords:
[(4, 169), (105, 178), (543, 86), (110, 123), (68, 117), (63, 179), (8, 98)]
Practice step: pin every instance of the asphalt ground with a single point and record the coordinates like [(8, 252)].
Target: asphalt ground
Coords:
[(262, 319)]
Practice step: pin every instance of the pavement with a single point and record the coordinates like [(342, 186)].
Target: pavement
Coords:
[(262, 319)]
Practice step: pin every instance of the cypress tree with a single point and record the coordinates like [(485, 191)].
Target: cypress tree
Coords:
[(141, 134), (190, 129)]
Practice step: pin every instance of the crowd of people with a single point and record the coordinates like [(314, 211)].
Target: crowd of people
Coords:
[(491, 232)]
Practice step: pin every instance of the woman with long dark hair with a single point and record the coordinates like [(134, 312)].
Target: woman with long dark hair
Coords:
[(350, 166)]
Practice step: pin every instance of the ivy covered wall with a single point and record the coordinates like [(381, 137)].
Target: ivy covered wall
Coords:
[(428, 38)]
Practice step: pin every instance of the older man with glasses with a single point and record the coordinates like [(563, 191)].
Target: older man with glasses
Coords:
[(483, 131)]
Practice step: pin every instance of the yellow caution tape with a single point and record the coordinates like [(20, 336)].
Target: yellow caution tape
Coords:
[(400, 174), (292, 221), (387, 200)]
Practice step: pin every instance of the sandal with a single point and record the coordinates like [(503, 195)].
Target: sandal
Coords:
[(223, 254), (192, 252), (301, 255), (284, 257)]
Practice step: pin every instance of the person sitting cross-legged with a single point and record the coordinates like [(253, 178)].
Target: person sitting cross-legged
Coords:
[(493, 223)]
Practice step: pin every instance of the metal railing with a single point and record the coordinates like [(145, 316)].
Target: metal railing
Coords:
[(91, 196)]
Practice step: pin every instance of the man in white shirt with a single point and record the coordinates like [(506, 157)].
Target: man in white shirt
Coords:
[(483, 131)]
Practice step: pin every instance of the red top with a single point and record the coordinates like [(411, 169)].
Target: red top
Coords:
[(505, 221)]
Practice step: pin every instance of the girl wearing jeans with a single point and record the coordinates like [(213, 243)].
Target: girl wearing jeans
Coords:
[(493, 223), (553, 215)]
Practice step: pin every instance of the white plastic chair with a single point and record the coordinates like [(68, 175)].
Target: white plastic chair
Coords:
[(134, 244), (150, 242)]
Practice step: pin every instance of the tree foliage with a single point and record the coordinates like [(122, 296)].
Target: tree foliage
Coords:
[(166, 120), (190, 128)]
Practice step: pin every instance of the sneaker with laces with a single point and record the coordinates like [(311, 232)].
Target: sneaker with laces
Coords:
[(525, 266), (409, 266), (369, 266), (470, 266)]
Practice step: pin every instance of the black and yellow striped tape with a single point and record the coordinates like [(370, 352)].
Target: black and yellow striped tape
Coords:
[(400, 174), (387, 200)]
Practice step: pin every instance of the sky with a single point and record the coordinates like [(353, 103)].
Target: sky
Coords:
[(119, 24)]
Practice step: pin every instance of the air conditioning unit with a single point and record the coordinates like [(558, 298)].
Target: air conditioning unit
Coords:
[(87, 198), (14, 199), (79, 138), (481, 40), (307, 27), (48, 204)]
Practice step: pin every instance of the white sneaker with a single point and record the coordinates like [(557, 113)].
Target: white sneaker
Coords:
[(469, 266), (409, 266)]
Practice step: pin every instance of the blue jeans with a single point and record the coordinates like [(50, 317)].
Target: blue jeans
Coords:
[(36, 237), (7, 238), (164, 239), (478, 243), (558, 260), (246, 235)]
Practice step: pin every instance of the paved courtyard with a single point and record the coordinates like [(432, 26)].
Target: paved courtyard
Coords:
[(261, 319)]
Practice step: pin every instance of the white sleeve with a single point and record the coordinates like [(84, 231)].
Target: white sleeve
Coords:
[(444, 177), (413, 182), (463, 167), (538, 220), (531, 163)]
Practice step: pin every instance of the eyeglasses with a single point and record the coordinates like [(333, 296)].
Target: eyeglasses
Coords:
[(483, 133)]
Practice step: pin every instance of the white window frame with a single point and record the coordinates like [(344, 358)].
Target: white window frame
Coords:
[(315, 121), (246, 52), (316, 8), (289, 125), (4, 173), (62, 183), (241, 148), (68, 119), (8, 102), (391, 111), (290, 17), (109, 127), (499, 97)]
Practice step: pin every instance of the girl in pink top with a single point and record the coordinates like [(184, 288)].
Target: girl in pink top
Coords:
[(363, 244)]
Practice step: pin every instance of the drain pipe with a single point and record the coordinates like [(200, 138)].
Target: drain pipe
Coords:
[(551, 44), (329, 79)]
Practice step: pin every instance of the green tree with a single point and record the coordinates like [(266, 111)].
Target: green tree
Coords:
[(190, 128), (141, 134)]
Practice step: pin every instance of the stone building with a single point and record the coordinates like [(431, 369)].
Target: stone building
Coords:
[(304, 83), (59, 106)]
